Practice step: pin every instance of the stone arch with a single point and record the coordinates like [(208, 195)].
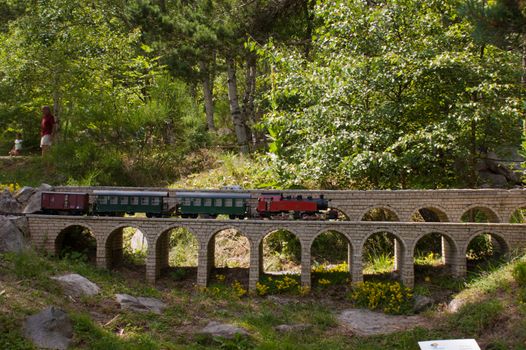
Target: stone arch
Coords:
[(399, 248), (233, 261), (429, 213), (79, 238), (114, 244), (288, 233), (339, 245), (162, 247), (390, 213), (342, 214), (490, 214), (448, 250), (498, 242), (517, 215)]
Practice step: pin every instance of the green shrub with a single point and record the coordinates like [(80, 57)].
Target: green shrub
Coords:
[(280, 284), (519, 273), (390, 297), (477, 317)]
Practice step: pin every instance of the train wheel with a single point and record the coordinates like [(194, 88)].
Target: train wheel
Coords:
[(194, 216), (232, 217), (149, 215)]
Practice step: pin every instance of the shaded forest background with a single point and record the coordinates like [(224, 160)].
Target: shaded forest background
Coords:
[(330, 94)]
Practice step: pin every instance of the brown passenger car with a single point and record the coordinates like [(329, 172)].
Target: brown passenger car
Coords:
[(65, 203)]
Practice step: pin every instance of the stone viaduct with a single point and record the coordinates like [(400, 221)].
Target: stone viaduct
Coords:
[(447, 207)]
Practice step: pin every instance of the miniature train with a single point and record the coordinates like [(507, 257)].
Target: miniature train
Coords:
[(235, 205)]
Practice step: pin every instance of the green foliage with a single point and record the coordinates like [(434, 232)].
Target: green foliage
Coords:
[(279, 284), (283, 245), (481, 247), (183, 248), (394, 96), (519, 273), (11, 335), (390, 297), (477, 317)]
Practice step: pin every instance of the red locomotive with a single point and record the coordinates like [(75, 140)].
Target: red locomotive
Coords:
[(275, 204)]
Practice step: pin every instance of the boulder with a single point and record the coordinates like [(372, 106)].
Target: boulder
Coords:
[(223, 330), (76, 285), (496, 180), (141, 304), (421, 302), (33, 204), (24, 194), (455, 304), (49, 329), (8, 204), (11, 238), (300, 327), (138, 242), (366, 322)]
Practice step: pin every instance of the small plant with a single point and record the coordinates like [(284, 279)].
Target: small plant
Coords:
[(334, 274), (238, 289), (179, 274), (519, 273), (390, 297), (281, 284), (476, 317), (13, 187), (324, 282), (220, 278), (261, 289)]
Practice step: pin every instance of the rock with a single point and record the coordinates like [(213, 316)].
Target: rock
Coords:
[(138, 242), (496, 180), (8, 204), (300, 327), (224, 330), (34, 203), (11, 238), (49, 329), (21, 223), (76, 285), (455, 304), (24, 194), (141, 304), (282, 300), (366, 322), (421, 302)]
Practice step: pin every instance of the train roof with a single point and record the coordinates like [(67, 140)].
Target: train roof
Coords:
[(68, 193), (212, 195), (130, 193)]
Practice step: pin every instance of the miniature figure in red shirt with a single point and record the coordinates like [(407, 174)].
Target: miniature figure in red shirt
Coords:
[(46, 129)]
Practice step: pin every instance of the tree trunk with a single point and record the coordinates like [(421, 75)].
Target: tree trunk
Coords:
[(237, 117), (248, 99), (208, 95)]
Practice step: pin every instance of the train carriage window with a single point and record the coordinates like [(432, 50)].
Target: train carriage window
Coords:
[(124, 200), (239, 203), (114, 200), (208, 202), (186, 202), (145, 200), (156, 200), (102, 200), (218, 202), (228, 202), (197, 202), (134, 200)]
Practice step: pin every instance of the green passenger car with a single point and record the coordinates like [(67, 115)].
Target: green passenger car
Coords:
[(212, 204), (130, 202)]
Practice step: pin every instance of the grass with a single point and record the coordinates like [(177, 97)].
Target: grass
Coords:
[(496, 316)]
